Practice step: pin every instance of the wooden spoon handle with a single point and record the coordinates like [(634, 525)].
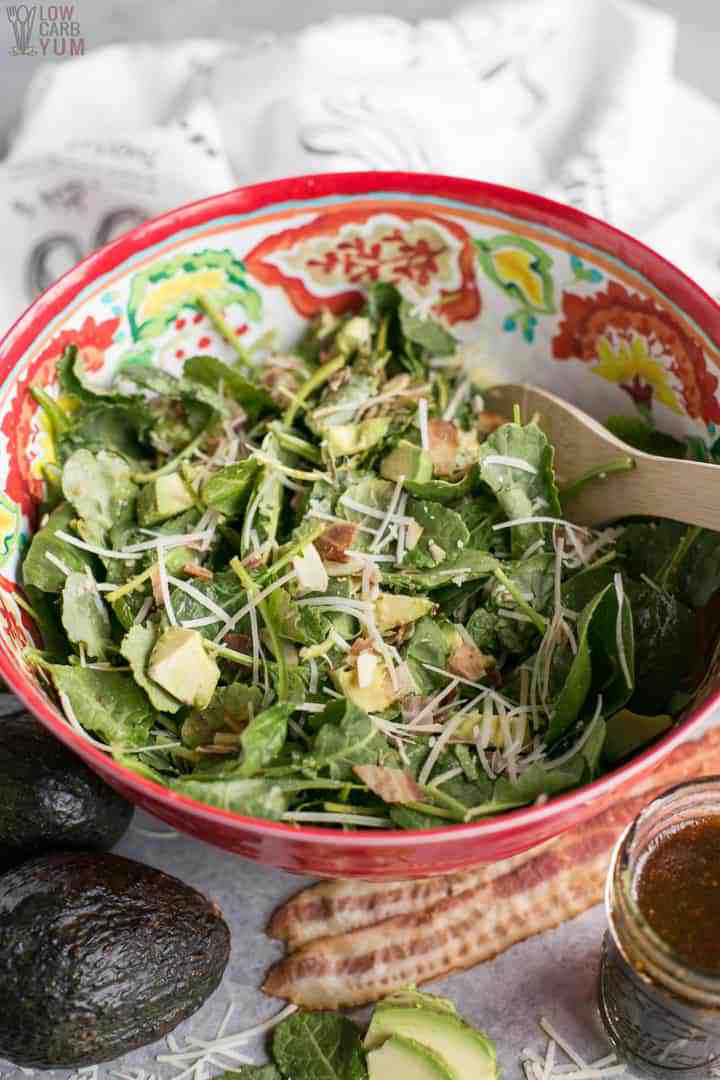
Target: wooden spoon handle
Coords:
[(660, 487)]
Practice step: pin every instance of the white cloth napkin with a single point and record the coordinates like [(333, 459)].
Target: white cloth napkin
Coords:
[(576, 100)]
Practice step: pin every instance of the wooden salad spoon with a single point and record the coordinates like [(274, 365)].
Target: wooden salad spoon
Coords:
[(634, 483)]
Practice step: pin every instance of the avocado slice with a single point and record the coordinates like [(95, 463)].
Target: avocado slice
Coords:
[(376, 697), (407, 1059), (346, 439), (181, 666), (466, 1052), (392, 611), (162, 498), (409, 461)]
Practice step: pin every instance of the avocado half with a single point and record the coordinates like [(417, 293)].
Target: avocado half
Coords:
[(49, 799), (100, 955)]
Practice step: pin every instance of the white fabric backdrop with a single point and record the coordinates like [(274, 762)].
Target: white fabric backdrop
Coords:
[(571, 98)]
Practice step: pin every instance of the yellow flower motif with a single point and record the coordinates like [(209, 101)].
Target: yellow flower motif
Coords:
[(632, 360), (44, 450)]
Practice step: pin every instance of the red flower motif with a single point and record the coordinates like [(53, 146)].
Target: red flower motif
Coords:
[(357, 260), (626, 315), (91, 339)]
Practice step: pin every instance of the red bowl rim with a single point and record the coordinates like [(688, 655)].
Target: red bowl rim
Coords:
[(592, 231)]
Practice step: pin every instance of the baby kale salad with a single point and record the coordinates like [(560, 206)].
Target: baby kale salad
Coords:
[(330, 587)]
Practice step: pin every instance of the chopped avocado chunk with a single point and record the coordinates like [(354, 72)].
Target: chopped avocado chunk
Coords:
[(346, 439), (627, 731), (392, 611), (164, 497), (376, 697), (467, 1052), (407, 1059), (181, 666), (409, 461), (353, 335)]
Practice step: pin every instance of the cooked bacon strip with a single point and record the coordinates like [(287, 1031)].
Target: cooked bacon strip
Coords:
[(391, 785), (334, 907), (366, 965)]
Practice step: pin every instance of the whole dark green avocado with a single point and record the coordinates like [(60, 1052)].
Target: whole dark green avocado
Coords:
[(49, 799), (100, 955)]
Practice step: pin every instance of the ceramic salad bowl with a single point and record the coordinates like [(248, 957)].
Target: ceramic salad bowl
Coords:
[(550, 295)]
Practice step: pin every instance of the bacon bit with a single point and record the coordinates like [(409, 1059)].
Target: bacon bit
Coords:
[(336, 907), (240, 642), (361, 645), (198, 317), (444, 443), (193, 570), (203, 342), (391, 785), (179, 324), (487, 422), (335, 541), (179, 353), (468, 662)]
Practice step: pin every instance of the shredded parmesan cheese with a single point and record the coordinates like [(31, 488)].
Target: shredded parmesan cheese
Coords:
[(371, 512), (180, 540), (450, 728), (620, 593), (313, 685), (164, 590), (511, 462), (422, 416), (389, 514), (541, 520), (457, 399), (326, 818), (104, 553), (251, 605), (200, 597), (60, 564)]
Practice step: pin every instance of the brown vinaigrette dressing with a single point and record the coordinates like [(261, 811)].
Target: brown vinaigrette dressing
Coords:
[(677, 890)]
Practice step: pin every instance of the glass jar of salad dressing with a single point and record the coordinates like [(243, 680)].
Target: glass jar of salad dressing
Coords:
[(660, 969)]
